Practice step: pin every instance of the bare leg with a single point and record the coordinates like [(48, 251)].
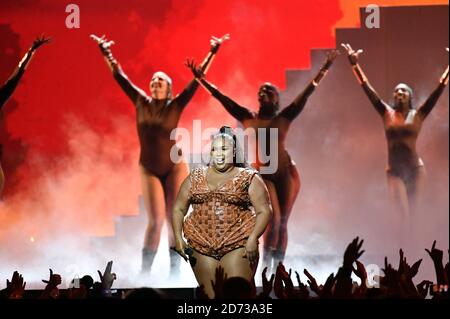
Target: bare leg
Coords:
[(271, 233), (399, 196), (205, 272), (153, 194), (415, 189), (236, 265), (399, 202), (287, 191), (172, 185)]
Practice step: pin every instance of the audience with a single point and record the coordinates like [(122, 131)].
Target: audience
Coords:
[(394, 283)]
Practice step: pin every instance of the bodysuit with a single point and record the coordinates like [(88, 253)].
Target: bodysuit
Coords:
[(222, 219)]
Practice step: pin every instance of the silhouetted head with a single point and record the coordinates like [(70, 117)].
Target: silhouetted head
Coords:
[(238, 288), (161, 86), (269, 99), (402, 97), (87, 281), (225, 151)]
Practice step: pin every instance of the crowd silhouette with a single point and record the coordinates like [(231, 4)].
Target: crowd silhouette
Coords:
[(393, 283)]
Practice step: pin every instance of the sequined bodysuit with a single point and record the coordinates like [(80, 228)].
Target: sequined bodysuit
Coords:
[(222, 219)]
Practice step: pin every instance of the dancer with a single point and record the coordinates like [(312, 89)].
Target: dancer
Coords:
[(10, 85), (284, 184), (402, 124), (222, 231), (156, 117)]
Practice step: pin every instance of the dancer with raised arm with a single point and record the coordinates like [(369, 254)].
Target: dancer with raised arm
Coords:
[(284, 183), (10, 85), (402, 125), (156, 116)]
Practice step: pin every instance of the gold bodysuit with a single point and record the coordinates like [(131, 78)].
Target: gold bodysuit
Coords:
[(222, 219)]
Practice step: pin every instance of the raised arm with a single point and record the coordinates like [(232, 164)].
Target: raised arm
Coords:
[(259, 196), (238, 112), (133, 92), (343, 288), (184, 97), (180, 210), (10, 85), (215, 45), (295, 108), (429, 104), (436, 256), (379, 105)]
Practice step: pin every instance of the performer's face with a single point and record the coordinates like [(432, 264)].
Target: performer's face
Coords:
[(159, 88), (402, 95), (222, 153), (267, 95)]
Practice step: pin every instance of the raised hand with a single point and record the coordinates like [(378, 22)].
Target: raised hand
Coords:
[(312, 282), (353, 252), (107, 278), (387, 267), (414, 269), (353, 55), (51, 290), (401, 261), (391, 276), (332, 55), (16, 287), (53, 281), (196, 70), (405, 275), (39, 42), (435, 254), (278, 286), (216, 42), (285, 276), (326, 291), (102, 42), (217, 285), (303, 289), (267, 285), (360, 272)]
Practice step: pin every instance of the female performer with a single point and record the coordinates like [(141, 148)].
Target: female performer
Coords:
[(402, 124), (156, 116), (222, 230)]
